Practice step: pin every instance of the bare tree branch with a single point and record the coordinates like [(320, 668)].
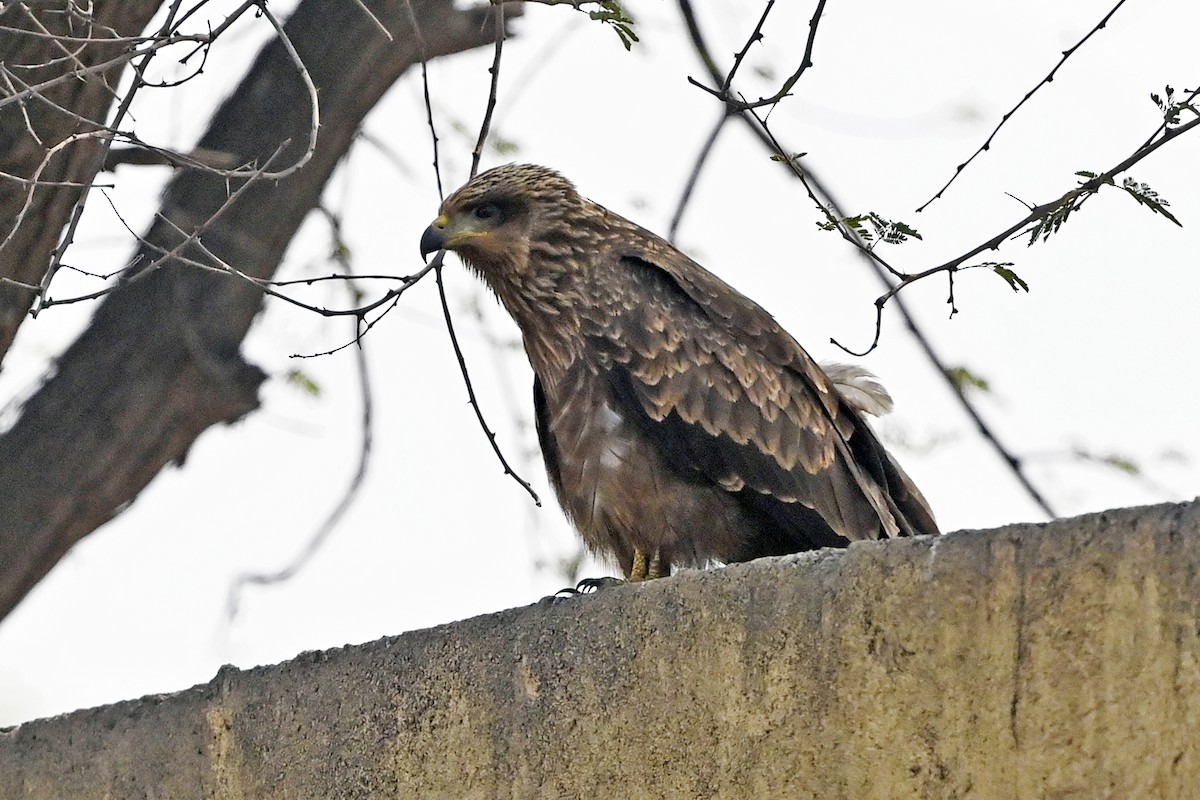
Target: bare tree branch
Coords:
[(690, 186), (474, 401), (494, 71), (1003, 120), (160, 362), (1078, 195), (33, 125), (735, 102)]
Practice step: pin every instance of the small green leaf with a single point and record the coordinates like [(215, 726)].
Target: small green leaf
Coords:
[(1012, 278), (1149, 198), (1050, 224), (853, 223), (1123, 464), (300, 380), (964, 379), (1117, 461), (889, 231), (794, 158), (1172, 109), (881, 228), (504, 147), (611, 13)]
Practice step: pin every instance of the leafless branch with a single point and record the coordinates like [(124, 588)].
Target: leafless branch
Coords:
[(68, 236), (436, 264), (494, 71), (375, 19), (437, 166), (34, 181), (734, 101), (318, 538), (757, 124), (1004, 119), (366, 428), (106, 134), (694, 176), (462, 365)]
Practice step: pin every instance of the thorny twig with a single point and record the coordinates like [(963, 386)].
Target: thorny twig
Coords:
[(735, 102), (1004, 119), (462, 365), (420, 40), (436, 264), (494, 71), (1036, 213)]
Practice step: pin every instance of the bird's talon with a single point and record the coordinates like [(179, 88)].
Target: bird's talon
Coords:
[(596, 584)]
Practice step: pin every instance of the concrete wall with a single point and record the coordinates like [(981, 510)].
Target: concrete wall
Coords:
[(1056, 661)]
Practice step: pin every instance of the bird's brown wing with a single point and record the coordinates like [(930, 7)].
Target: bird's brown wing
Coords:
[(729, 397)]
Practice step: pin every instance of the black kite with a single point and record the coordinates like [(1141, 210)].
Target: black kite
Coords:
[(680, 423)]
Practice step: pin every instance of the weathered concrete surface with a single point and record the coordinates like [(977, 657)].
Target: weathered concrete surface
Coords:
[(1057, 661)]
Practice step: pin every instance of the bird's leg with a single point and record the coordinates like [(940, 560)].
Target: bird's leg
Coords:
[(639, 570), (657, 569), (647, 569)]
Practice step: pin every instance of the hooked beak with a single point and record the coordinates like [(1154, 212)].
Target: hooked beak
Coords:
[(434, 237)]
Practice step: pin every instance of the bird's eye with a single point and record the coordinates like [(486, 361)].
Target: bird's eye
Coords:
[(488, 212)]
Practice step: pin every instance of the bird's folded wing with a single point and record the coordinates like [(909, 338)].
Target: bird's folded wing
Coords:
[(696, 376)]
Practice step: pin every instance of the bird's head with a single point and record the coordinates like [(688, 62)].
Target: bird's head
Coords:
[(494, 220), (534, 240)]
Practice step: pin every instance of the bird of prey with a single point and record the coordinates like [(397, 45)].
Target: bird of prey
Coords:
[(680, 424)]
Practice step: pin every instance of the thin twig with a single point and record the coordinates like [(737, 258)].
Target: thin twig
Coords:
[(734, 101), (68, 236), (139, 61), (34, 181), (327, 527), (757, 126), (1036, 213), (318, 539), (436, 264), (314, 103), (416, 29), (1004, 119), (755, 36), (462, 366), (219, 265), (697, 167), (375, 19), (484, 126)]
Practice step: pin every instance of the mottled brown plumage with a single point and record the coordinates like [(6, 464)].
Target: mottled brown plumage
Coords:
[(680, 424)]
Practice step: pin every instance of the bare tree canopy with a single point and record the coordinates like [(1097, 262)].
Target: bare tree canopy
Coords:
[(160, 361), (61, 68)]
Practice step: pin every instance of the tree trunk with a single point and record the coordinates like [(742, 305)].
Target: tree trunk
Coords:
[(160, 361)]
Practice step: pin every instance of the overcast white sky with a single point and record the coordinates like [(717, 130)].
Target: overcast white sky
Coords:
[(1099, 354)]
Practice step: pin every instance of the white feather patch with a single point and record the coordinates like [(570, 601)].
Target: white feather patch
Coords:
[(859, 388)]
